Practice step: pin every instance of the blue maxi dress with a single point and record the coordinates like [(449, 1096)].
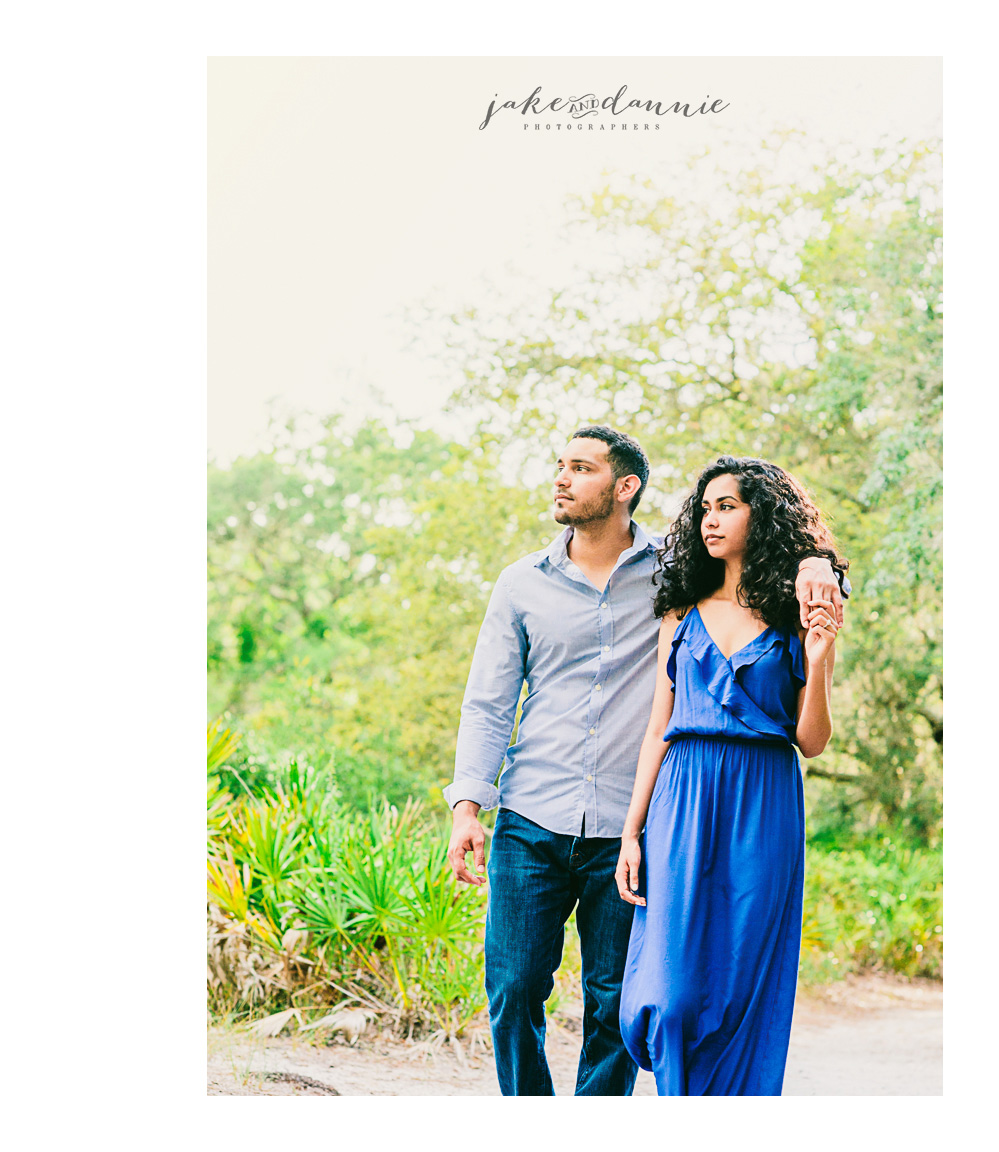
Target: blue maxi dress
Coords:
[(712, 963)]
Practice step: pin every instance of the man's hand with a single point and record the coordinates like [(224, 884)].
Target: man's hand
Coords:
[(467, 835), (816, 580)]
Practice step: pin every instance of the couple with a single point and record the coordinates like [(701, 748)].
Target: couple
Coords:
[(700, 917)]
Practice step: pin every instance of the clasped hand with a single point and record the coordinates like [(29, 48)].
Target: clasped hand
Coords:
[(822, 629)]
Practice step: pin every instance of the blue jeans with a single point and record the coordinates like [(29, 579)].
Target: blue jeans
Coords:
[(536, 877)]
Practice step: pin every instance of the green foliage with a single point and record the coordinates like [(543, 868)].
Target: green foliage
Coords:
[(877, 907), (349, 568), (221, 745), (219, 806), (347, 582), (311, 905), (801, 322)]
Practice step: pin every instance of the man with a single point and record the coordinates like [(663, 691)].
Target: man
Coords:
[(575, 621)]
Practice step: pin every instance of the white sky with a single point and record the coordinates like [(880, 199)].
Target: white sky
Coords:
[(344, 190)]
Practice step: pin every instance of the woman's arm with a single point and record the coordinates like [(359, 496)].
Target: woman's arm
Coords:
[(814, 725), (650, 759)]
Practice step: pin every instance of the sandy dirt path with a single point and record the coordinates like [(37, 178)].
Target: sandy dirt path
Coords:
[(869, 1037)]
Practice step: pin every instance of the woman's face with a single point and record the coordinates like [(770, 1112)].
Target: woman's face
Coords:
[(725, 525)]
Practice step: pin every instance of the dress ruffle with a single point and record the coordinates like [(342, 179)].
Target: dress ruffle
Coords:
[(721, 677)]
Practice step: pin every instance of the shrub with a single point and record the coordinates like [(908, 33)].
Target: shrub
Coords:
[(315, 906), (876, 906), (311, 905)]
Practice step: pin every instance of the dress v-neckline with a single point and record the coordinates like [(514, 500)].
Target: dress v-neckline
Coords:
[(717, 646)]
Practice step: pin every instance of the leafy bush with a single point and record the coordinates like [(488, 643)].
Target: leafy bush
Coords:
[(875, 906), (311, 905)]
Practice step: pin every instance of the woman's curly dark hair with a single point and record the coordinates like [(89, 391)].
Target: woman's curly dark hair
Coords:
[(784, 527)]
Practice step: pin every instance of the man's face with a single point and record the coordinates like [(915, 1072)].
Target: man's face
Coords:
[(584, 483)]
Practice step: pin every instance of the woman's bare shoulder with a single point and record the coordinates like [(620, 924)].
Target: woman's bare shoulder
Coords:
[(668, 625)]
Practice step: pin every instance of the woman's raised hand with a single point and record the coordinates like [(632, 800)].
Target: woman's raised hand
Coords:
[(822, 629), (626, 873)]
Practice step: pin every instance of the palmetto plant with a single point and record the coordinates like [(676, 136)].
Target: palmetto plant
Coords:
[(323, 910), (311, 796), (436, 911), (219, 809), (229, 885), (221, 745), (444, 927), (271, 841), (314, 905)]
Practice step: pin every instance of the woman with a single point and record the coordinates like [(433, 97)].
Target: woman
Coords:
[(712, 963)]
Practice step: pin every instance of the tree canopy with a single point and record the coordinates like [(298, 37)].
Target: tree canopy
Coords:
[(795, 319)]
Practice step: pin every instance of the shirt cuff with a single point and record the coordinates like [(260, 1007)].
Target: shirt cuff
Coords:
[(478, 791)]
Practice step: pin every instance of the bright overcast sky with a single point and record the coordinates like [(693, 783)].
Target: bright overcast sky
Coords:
[(344, 190)]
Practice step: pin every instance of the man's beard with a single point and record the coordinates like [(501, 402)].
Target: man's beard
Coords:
[(599, 507)]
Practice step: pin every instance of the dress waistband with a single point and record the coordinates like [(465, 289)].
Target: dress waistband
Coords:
[(723, 739)]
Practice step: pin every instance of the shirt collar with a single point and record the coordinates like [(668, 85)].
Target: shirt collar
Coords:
[(557, 553)]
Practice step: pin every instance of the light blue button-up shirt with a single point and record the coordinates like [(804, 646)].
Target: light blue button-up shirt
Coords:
[(589, 659)]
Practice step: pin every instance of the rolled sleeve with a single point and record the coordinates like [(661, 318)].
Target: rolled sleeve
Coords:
[(490, 703)]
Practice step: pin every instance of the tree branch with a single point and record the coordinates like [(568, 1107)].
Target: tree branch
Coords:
[(845, 494), (838, 777), (935, 721)]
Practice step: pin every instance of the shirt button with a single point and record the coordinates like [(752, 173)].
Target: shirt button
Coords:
[(602, 607), (593, 731), (599, 686), (588, 778), (606, 647)]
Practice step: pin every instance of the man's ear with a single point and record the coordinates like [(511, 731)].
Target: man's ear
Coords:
[(627, 486)]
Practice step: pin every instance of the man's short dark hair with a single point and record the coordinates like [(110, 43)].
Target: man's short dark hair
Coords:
[(624, 453)]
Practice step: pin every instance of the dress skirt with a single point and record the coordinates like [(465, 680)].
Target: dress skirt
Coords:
[(712, 962)]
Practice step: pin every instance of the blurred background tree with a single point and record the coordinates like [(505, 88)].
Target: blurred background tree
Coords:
[(346, 583), (801, 322), (743, 312)]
